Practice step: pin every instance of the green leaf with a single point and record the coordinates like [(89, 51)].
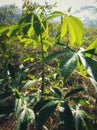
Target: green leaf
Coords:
[(81, 101), (26, 115), (90, 52), (40, 104), (93, 45), (81, 120), (14, 29), (78, 29), (29, 58), (90, 65), (21, 125), (37, 25), (44, 26), (28, 22), (64, 26), (26, 28), (30, 32), (68, 65), (74, 91), (67, 116), (55, 55), (3, 28), (81, 69), (57, 92), (18, 105), (45, 112), (71, 32), (55, 14), (27, 19), (92, 48)]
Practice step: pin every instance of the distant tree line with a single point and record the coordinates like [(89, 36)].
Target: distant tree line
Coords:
[(9, 14)]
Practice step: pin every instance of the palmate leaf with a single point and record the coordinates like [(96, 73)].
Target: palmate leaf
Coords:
[(68, 65), (81, 119), (26, 116)]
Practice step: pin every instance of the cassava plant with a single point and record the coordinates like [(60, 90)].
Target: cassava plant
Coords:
[(72, 58)]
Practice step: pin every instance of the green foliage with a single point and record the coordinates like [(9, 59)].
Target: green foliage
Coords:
[(68, 65), (3, 28), (8, 14), (37, 25), (81, 119), (46, 109), (67, 117), (55, 55), (89, 64), (37, 99), (74, 26), (25, 115), (72, 92)]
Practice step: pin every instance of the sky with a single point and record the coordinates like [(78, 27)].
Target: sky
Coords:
[(62, 5)]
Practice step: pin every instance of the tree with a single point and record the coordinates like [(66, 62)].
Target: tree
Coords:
[(9, 14)]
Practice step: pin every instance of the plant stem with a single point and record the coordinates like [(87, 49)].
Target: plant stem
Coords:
[(42, 66)]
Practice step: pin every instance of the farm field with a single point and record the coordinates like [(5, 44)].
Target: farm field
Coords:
[(48, 70)]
